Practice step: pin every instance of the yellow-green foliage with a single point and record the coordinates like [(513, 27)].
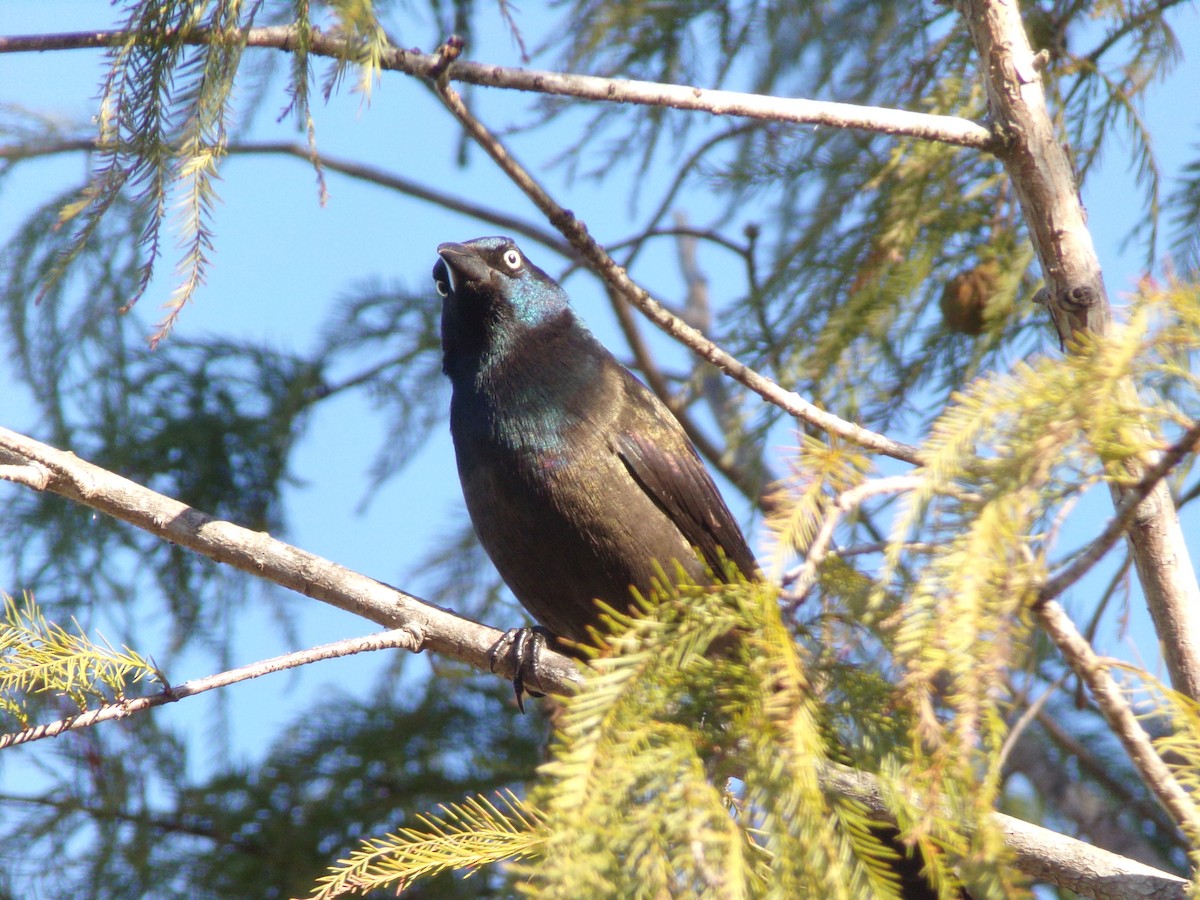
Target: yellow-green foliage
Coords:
[(691, 761), (39, 657), (819, 473), (163, 127), (1179, 744), (689, 764), (366, 41), (463, 836), (1003, 460)]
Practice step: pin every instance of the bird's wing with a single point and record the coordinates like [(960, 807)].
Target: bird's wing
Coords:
[(673, 476)]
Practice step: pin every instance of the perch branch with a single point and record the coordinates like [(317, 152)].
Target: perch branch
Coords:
[(43, 468)]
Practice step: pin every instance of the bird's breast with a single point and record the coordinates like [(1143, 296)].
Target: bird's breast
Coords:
[(552, 497)]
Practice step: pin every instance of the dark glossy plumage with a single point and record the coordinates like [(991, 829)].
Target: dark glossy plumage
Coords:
[(577, 478)]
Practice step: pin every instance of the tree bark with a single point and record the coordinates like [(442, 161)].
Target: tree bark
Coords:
[(44, 468), (1044, 182)]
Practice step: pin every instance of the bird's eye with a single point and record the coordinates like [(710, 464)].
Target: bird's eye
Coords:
[(441, 287), (512, 259)]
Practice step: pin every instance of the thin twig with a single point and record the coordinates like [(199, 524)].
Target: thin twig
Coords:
[(644, 361), (397, 638), (349, 168), (1024, 720), (1102, 772), (706, 234), (1126, 510), (846, 501), (105, 811), (1106, 596)]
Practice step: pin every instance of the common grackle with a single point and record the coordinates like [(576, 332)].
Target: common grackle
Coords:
[(577, 478)]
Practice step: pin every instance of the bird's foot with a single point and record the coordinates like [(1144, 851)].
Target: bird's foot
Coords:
[(525, 645)]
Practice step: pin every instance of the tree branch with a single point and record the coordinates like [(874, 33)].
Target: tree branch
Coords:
[(1085, 808), (1044, 183), (900, 123), (749, 486), (800, 581), (16, 152), (398, 638), (1130, 498), (1043, 854), (958, 131), (43, 468), (1102, 772), (575, 231), (1120, 716)]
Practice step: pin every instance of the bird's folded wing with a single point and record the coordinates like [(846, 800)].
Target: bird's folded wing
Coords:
[(678, 482)]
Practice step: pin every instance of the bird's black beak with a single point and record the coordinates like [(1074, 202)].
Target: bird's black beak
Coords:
[(465, 265)]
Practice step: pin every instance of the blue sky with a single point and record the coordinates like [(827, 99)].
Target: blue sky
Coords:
[(282, 258)]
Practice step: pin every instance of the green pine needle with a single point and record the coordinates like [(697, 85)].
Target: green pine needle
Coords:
[(40, 657)]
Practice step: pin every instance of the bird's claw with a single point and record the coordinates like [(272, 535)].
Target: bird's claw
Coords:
[(525, 645)]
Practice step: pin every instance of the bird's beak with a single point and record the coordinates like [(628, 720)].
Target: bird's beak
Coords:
[(464, 264)]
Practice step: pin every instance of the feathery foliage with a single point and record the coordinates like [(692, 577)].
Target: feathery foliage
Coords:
[(1178, 742), (351, 768), (161, 127), (700, 687), (39, 657), (463, 836)]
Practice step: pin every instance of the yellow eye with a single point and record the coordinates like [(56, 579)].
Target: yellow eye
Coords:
[(512, 259), (441, 287)]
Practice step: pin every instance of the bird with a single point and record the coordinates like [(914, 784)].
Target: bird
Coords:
[(580, 484), (579, 481)]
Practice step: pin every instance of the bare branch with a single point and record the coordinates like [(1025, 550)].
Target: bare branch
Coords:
[(348, 167), (431, 628), (1131, 498), (1120, 716), (587, 87), (1089, 871), (374, 175), (1102, 772), (416, 625), (900, 123), (499, 218), (802, 580), (398, 638)]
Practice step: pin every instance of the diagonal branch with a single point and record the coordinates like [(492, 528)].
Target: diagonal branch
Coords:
[(510, 223), (1043, 854), (1126, 510), (419, 626), (802, 580), (374, 175), (43, 468), (929, 127), (16, 152), (575, 231), (1044, 183), (1115, 707)]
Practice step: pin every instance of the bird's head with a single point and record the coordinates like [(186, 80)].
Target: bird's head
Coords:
[(491, 294)]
